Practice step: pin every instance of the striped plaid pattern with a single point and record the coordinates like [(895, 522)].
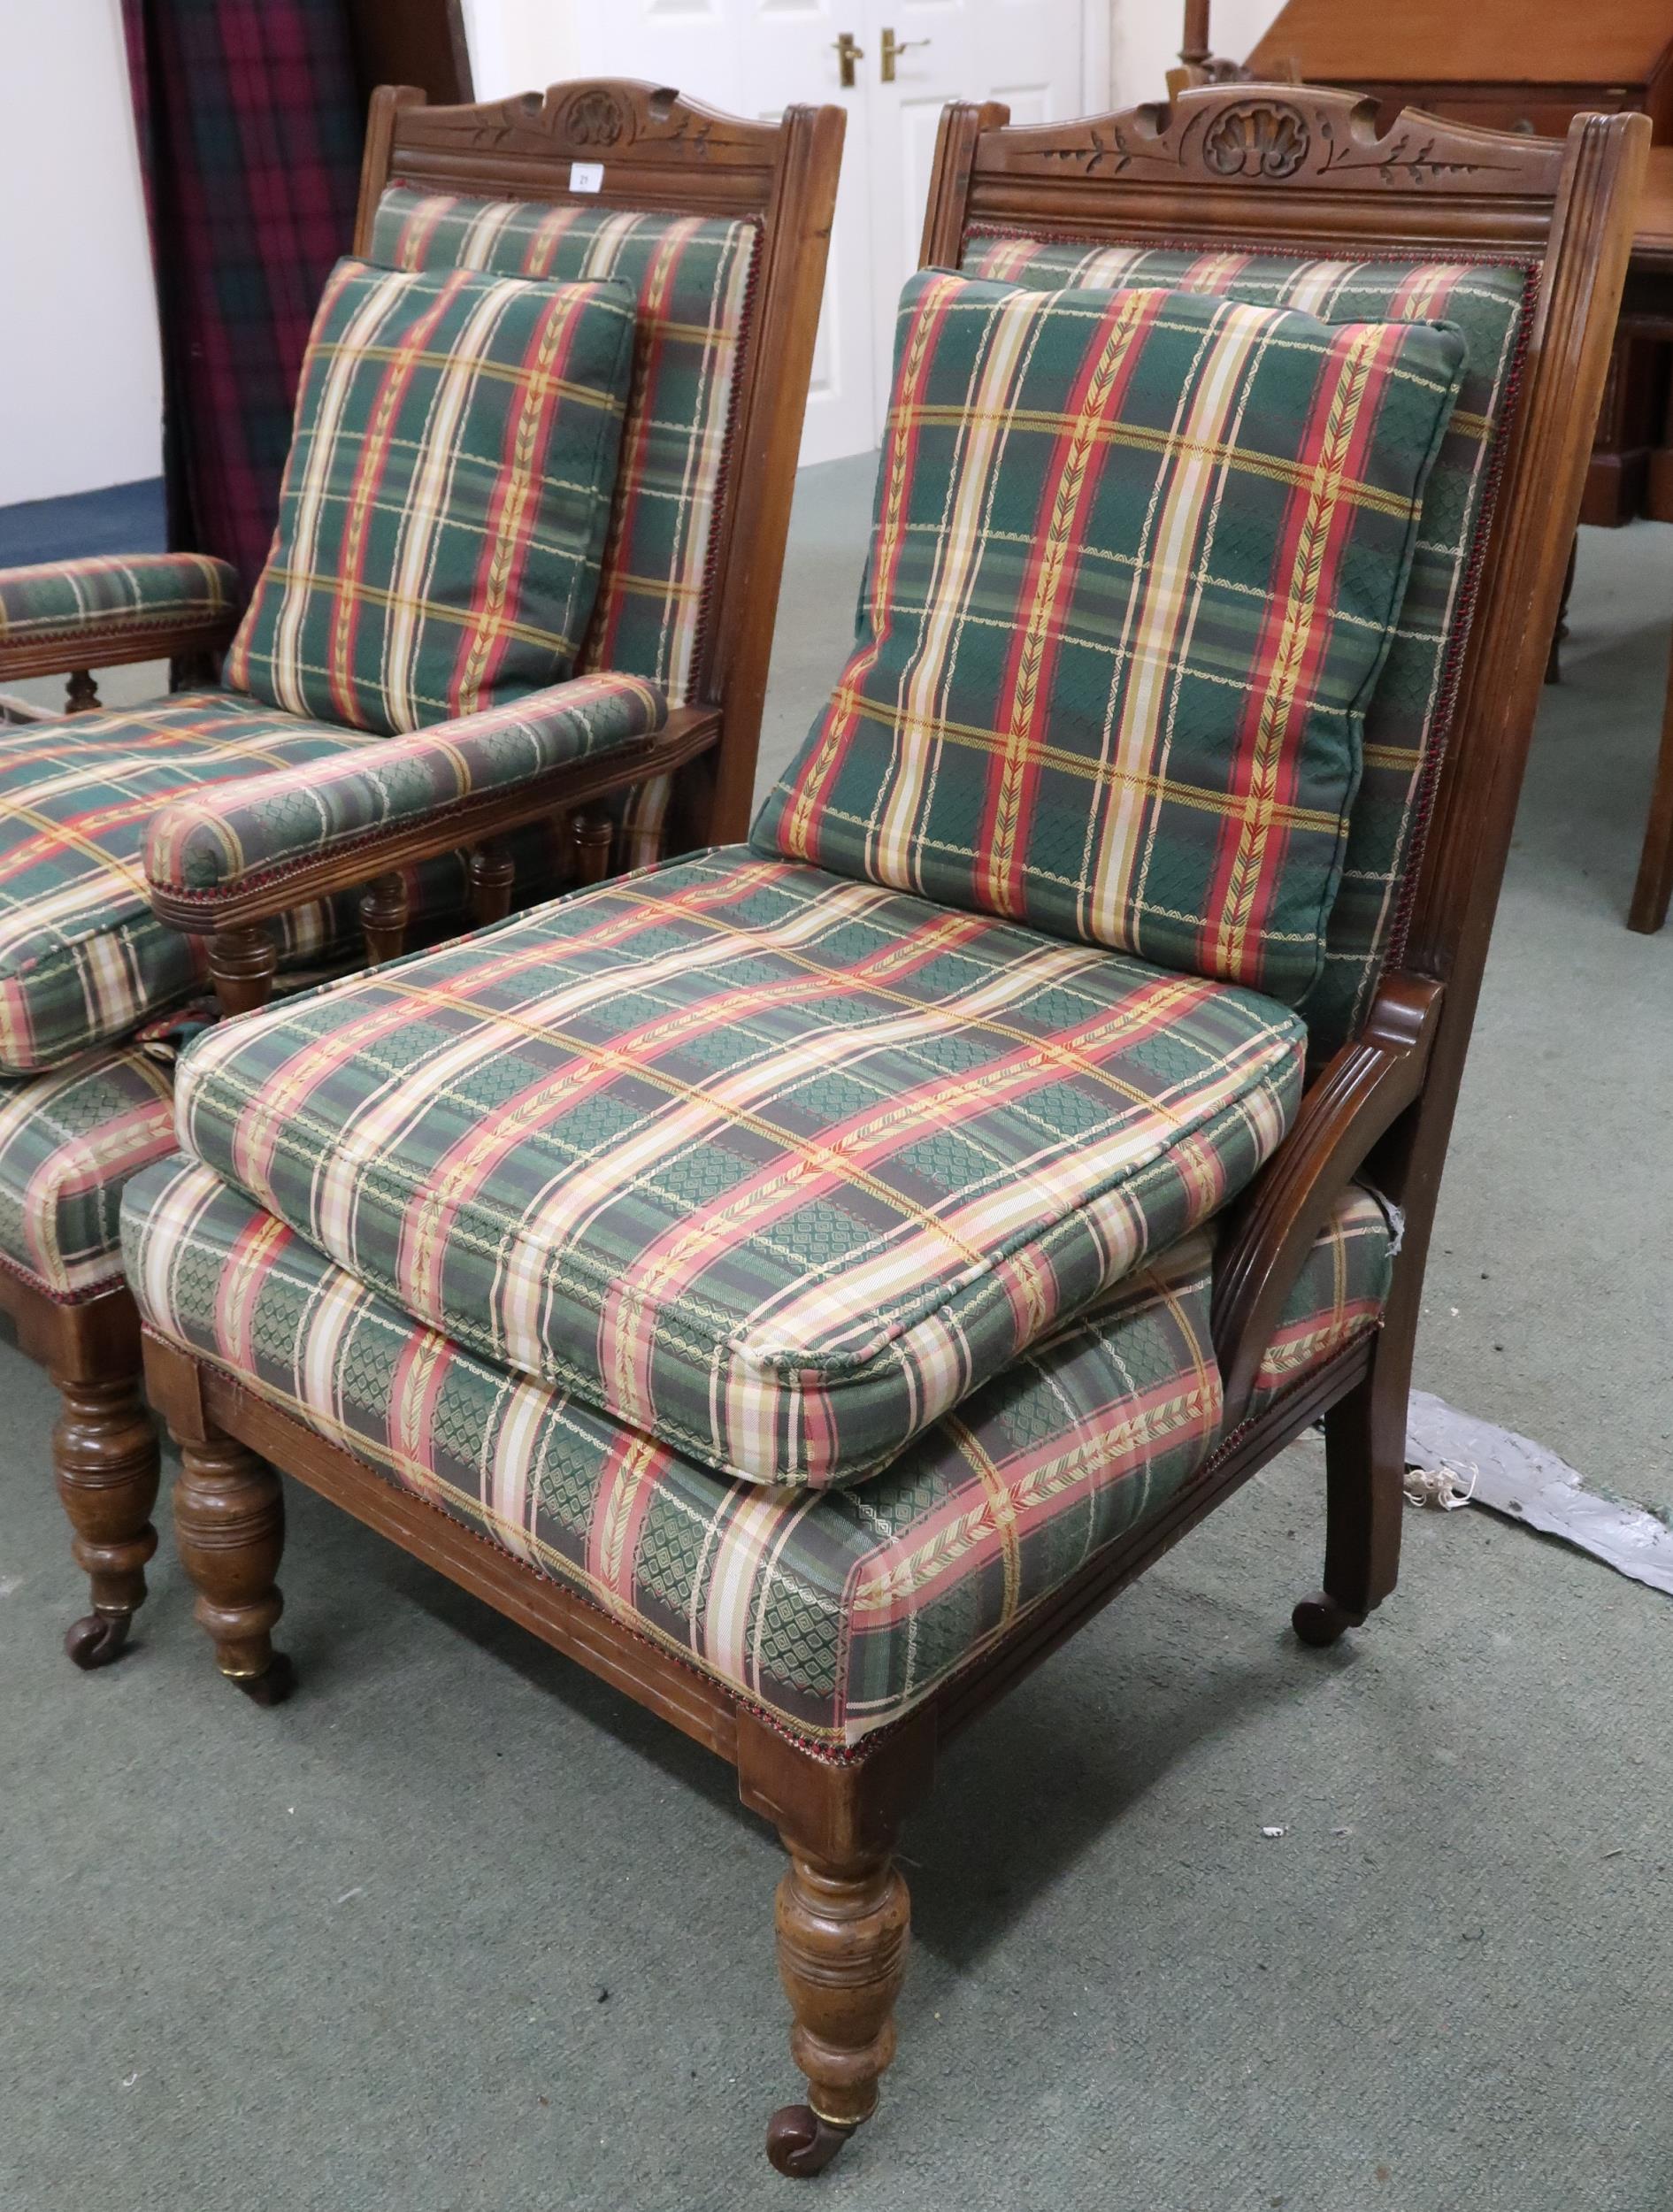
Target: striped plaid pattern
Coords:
[(1409, 713), (776, 1167), (83, 958), (444, 506), (1135, 562), (1338, 1295), (838, 1610), (692, 280), (259, 827), (69, 1142), (835, 1610), (135, 596)]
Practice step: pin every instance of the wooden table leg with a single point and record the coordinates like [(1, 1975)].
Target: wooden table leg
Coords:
[(1650, 894)]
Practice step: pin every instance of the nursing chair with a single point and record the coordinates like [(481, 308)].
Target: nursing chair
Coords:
[(524, 579), (804, 1282)]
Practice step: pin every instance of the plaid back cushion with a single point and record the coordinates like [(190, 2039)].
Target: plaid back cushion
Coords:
[(1407, 717), (692, 279), (445, 503)]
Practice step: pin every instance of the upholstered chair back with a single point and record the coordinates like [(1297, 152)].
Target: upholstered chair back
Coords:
[(1408, 717), (694, 280)]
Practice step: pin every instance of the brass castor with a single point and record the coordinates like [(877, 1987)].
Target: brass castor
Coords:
[(273, 1685), (98, 1639), (800, 2144), (1320, 1620)]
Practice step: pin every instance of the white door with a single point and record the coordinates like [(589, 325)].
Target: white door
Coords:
[(757, 57)]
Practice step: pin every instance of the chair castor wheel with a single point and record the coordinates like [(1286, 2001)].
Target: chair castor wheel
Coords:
[(1320, 1620), (273, 1685), (800, 2144), (96, 1641)]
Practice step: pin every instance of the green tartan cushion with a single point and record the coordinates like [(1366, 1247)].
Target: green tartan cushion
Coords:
[(837, 1613), (69, 1142), (1136, 559), (775, 1166), (444, 505), (693, 282), (1407, 718), (1340, 1294)]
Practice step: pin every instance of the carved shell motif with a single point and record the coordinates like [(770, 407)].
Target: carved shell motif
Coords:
[(595, 117), (1256, 138)]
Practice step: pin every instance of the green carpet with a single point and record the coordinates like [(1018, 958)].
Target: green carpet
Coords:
[(460, 1930)]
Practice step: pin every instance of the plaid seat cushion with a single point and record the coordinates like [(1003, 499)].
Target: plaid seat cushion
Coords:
[(772, 1166), (137, 595), (1136, 557), (69, 1142), (445, 503), (692, 280), (1408, 715), (836, 1611)]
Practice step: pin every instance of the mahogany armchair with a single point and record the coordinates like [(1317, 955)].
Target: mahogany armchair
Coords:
[(651, 1266), (719, 227)]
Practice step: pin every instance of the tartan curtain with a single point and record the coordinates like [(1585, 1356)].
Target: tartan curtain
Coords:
[(250, 122)]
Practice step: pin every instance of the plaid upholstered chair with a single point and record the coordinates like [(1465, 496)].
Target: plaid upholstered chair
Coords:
[(804, 1282), (440, 561)]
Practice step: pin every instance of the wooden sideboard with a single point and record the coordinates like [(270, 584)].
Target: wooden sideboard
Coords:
[(1520, 65)]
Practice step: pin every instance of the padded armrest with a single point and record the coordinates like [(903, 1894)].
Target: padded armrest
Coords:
[(1358, 1095), (59, 616), (209, 854)]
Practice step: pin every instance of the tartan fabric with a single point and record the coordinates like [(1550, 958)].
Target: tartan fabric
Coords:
[(835, 1610), (250, 123), (1339, 1294), (1408, 715), (445, 503), (772, 1166), (1136, 559), (69, 1142), (258, 827), (136, 596), (83, 958), (692, 278)]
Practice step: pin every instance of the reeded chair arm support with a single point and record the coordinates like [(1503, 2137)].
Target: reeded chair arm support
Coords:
[(279, 841), (1355, 1101), (60, 617)]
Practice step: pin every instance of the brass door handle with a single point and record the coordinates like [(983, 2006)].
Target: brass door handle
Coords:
[(893, 47), (848, 53)]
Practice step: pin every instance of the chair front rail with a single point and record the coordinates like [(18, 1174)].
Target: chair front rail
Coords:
[(1357, 1099)]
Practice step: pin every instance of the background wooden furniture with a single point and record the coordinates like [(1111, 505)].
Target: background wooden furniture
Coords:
[(1226, 167), (1523, 65), (1648, 310)]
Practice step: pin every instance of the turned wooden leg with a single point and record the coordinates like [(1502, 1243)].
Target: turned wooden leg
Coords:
[(591, 837), (1365, 1485), (384, 916), (1554, 657), (493, 873), (81, 694), (104, 1456), (842, 1937), (242, 964), (229, 1516)]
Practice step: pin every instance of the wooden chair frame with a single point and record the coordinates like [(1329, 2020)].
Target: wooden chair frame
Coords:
[(656, 150), (1221, 168)]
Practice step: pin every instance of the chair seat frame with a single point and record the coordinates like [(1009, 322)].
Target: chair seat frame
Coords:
[(1285, 168)]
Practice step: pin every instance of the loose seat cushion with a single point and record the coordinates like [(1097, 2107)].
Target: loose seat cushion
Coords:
[(836, 1611), (1338, 1295), (445, 502), (69, 1142), (1409, 711), (693, 282), (1136, 560), (83, 958), (772, 1166)]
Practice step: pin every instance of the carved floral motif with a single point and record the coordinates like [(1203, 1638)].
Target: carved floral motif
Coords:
[(595, 117), (1256, 138)]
